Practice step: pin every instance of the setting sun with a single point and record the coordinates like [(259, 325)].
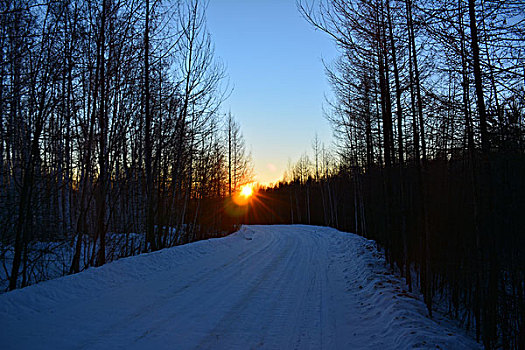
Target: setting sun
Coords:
[(244, 195), (247, 191)]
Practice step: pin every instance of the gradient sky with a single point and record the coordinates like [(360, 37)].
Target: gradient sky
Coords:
[(273, 58)]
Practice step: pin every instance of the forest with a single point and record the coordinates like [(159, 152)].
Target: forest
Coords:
[(112, 140), (428, 111)]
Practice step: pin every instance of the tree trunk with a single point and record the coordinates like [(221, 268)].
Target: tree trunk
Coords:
[(150, 229), (102, 186), (485, 145)]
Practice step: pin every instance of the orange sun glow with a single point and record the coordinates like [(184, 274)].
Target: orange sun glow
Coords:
[(247, 191)]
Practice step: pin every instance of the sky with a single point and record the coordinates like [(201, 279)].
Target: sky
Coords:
[(274, 61)]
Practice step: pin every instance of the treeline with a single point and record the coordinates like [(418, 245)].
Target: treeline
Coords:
[(110, 123), (430, 158)]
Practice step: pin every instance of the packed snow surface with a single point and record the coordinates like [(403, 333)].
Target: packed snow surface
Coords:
[(270, 287)]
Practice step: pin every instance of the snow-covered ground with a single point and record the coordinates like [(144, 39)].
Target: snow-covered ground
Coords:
[(270, 287), (49, 260)]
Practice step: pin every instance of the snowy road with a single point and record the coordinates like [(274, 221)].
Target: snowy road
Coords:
[(269, 287)]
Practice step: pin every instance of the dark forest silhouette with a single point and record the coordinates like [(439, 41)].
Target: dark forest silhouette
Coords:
[(110, 126)]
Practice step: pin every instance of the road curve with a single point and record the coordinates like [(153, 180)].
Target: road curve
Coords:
[(268, 287)]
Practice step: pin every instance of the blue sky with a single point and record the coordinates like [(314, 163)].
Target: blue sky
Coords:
[(273, 58)]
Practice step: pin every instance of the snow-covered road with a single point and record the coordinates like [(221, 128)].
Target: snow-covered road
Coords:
[(270, 287)]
